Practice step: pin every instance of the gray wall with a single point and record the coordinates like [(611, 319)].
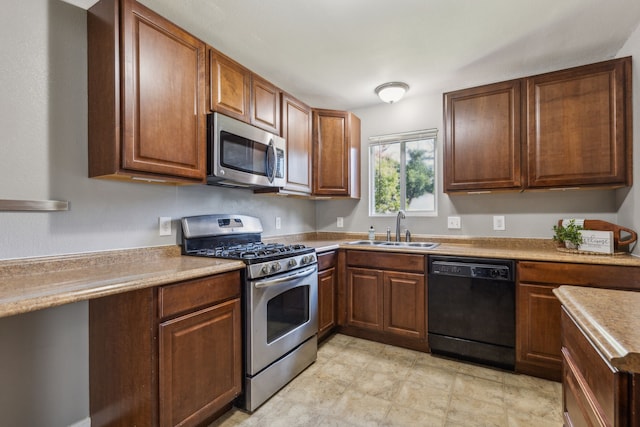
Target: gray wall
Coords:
[(43, 115), (528, 214)]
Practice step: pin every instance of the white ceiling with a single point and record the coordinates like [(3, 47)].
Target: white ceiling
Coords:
[(333, 53)]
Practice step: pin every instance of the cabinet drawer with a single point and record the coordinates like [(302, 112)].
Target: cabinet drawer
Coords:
[(327, 260), (580, 407), (601, 276), (386, 261), (188, 296), (602, 381)]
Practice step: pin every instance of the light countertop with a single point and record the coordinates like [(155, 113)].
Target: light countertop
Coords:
[(38, 283), (611, 320)]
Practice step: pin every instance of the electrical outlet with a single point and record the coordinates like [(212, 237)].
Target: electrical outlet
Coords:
[(340, 222), (278, 223), (164, 225), (499, 223), (453, 223)]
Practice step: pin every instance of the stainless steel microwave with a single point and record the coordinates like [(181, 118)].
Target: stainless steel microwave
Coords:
[(241, 155)]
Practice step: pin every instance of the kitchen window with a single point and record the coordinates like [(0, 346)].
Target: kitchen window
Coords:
[(402, 173)]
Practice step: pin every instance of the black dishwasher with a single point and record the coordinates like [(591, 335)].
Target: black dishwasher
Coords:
[(472, 309)]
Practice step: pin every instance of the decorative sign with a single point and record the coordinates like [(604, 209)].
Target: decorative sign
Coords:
[(597, 241)]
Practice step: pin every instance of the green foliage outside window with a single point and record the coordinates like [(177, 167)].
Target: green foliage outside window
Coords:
[(396, 187)]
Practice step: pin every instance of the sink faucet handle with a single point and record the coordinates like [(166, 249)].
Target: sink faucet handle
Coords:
[(407, 235), (388, 234)]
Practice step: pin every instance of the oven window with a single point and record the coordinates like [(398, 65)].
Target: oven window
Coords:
[(243, 154), (287, 311)]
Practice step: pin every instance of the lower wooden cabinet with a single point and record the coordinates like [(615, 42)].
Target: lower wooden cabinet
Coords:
[(538, 344), (594, 393), (538, 331), (385, 297), (327, 293), (167, 356)]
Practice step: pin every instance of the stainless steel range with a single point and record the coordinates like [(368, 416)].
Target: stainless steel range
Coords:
[(280, 299)]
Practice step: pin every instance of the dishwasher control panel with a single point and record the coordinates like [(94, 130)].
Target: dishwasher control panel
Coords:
[(471, 268)]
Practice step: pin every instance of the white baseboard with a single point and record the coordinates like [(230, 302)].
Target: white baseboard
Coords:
[(82, 423)]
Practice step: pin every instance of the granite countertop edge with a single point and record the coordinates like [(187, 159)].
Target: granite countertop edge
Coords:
[(609, 319), (37, 283), (30, 284)]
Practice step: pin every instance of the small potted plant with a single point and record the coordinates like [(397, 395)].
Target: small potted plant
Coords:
[(569, 235)]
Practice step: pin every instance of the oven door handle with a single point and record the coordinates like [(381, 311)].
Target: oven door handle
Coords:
[(271, 282)]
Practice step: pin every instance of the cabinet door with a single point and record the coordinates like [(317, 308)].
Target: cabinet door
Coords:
[(265, 105), (296, 130), (327, 281), (230, 85), (538, 345), (404, 304), (483, 138), (163, 97), (579, 132), (364, 298), (199, 364), (336, 153)]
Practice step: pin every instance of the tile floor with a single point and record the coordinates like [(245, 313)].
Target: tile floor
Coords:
[(356, 382)]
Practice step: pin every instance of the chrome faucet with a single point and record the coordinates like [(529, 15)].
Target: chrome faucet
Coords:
[(400, 216)]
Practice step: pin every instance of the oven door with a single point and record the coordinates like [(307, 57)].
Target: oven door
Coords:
[(282, 313)]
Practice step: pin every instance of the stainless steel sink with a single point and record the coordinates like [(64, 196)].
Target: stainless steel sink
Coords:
[(413, 245)]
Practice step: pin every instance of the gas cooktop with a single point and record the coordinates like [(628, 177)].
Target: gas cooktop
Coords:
[(233, 237)]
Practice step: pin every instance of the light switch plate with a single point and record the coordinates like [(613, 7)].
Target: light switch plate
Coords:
[(164, 225), (453, 223), (499, 223)]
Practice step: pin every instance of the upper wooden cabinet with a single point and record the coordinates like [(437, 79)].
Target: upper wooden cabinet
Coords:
[(230, 86), (570, 128), (265, 105), (482, 138), (336, 153), (236, 92), (296, 130), (579, 126), (146, 84)]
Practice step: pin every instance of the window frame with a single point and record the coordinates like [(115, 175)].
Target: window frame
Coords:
[(403, 138)]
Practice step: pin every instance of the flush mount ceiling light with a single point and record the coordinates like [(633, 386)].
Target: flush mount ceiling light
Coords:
[(392, 92)]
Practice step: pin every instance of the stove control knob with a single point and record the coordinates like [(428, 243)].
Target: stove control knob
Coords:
[(275, 267), (265, 269), (292, 262), (307, 259)]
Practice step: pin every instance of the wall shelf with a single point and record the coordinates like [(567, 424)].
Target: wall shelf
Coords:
[(33, 205)]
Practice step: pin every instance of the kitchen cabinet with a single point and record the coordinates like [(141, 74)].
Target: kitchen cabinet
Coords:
[(538, 325), (336, 154), (579, 126), (166, 356), (327, 293), (386, 298), (482, 138), (296, 130), (237, 92), (146, 85), (594, 392), (265, 105), (230, 87), (565, 129)]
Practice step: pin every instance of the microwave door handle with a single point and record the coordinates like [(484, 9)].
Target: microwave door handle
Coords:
[(271, 161), (297, 275)]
